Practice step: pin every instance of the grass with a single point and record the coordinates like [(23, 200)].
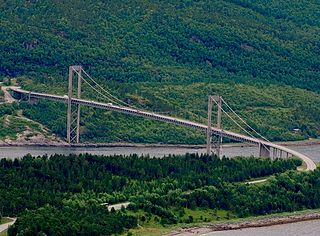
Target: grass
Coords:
[(200, 216), (303, 167), (4, 233), (151, 230), (149, 227), (207, 215), (12, 125), (4, 220), (282, 214), (220, 216)]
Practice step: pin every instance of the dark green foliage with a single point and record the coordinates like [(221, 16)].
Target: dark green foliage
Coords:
[(241, 41), (272, 111), (169, 56), (50, 220), (8, 109), (32, 182), (63, 194), (47, 114), (287, 192), (62, 187)]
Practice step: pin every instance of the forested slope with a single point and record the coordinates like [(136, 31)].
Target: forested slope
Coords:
[(66, 195), (147, 50)]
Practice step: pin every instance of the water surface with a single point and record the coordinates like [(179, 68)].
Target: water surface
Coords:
[(305, 228), (11, 152)]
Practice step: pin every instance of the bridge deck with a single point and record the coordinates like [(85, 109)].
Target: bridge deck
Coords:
[(178, 121)]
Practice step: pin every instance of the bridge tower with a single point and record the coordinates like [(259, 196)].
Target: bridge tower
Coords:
[(217, 144), (73, 113)]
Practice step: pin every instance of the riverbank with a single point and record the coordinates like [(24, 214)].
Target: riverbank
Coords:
[(253, 222), (310, 142)]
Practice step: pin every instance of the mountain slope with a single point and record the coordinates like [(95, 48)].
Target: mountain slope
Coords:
[(188, 45), (135, 41)]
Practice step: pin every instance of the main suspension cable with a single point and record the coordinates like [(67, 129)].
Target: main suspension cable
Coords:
[(244, 121), (106, 91), (126, 104), (109, 99), (234, 121)]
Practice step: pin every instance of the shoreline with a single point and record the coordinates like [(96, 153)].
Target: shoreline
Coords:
[(152, 145), (243, 224)]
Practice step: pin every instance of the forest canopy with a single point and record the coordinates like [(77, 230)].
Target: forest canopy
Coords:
[(46, 191), (168, 56)]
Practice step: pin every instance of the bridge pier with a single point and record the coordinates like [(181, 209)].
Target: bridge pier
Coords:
[(73, 118), (264, 151), (31, 100), (217, 145)]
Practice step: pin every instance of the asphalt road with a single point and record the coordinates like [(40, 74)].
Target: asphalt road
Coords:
[(5, 226), (118, 206)]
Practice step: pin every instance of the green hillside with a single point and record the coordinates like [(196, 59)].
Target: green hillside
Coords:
[(168, 56)]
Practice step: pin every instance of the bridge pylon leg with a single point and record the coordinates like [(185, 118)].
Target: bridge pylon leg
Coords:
[(217, 145), (209, 131), (264, 151), (73, 118), (78, 106)]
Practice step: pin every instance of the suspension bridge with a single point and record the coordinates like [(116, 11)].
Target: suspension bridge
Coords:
[(266, 148)]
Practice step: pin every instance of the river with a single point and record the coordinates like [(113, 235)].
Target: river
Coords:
[(305, 228), (310, 228), (312, 151)]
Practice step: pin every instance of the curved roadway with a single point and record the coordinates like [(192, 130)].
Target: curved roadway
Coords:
[(310, 165), (4, 227)]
